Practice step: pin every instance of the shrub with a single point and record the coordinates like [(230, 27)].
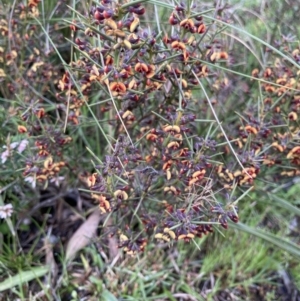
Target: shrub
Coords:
[(184, 133)]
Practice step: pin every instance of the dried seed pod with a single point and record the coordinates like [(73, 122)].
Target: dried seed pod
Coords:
[(293, 116), (172, 128), (201, 28), (22, 129), (135, 23), (120, 194), (111, 24), (127, 44), (187, 24)]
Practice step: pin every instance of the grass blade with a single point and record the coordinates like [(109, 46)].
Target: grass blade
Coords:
[(23, 277), (281, 243)]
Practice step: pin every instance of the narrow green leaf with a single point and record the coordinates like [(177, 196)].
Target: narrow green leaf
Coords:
[(133, 3), (284, 204), (283, 244), (23, 277)]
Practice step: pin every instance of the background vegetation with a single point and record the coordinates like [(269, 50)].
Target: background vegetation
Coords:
[(149, 150)]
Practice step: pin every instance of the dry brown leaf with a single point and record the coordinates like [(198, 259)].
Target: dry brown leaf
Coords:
[(82, 237), (112, 242), (50, 261)]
